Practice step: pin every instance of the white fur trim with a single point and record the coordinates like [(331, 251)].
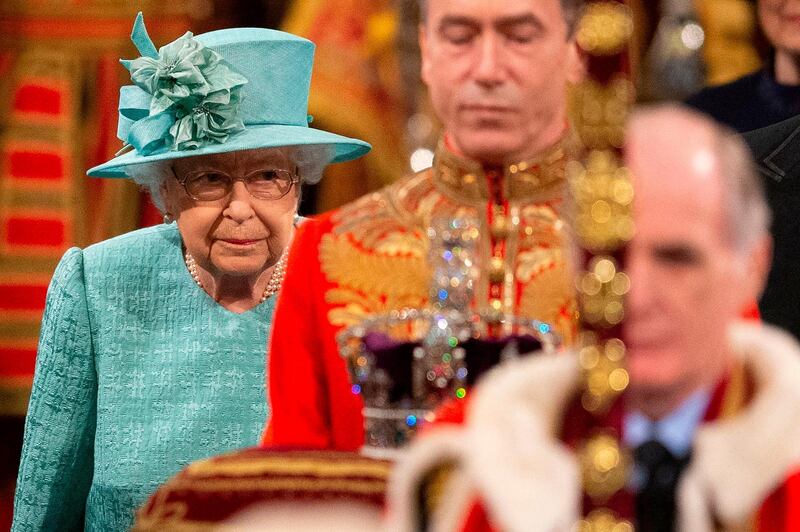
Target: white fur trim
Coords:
[(738, 462), (458, 497), (527, 479), (437, 447), (517, 467)]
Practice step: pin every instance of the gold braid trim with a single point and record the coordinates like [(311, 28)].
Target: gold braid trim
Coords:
[(280, 465)]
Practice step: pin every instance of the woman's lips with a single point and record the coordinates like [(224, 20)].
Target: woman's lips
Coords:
[(239, 242)]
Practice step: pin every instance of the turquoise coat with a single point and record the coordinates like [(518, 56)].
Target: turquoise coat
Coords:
[(139, 372)]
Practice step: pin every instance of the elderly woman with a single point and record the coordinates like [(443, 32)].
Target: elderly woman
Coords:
[(152, 346)]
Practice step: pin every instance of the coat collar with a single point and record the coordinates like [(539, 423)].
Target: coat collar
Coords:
[(776, 149)]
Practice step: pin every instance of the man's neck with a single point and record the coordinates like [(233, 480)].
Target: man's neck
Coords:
[(541, 145), (658, 403), (787, 68)]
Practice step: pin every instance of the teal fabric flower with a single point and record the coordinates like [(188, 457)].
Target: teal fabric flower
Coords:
[(213, 119), (194, 95)]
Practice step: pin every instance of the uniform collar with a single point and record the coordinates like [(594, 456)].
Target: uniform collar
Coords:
[(468, 181)]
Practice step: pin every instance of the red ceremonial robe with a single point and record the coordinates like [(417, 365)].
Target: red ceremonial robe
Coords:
[(745, 449)]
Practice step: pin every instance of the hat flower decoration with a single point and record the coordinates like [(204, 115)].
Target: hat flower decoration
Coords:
[(194, 94), (224, 91)]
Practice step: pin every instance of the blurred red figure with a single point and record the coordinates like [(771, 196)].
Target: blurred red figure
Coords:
[(712, 412)]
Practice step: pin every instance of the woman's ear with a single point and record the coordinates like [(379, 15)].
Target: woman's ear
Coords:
[(169, 196)]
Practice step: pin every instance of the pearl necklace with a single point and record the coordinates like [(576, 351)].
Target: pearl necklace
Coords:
[(273, 285)]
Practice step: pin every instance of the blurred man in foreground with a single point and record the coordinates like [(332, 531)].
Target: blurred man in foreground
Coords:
[(712, 413)]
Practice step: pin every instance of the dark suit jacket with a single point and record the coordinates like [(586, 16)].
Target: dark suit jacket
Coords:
[(776, 150), (749, 103)]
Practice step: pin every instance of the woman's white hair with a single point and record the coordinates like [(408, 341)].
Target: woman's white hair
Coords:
[(310, 160)]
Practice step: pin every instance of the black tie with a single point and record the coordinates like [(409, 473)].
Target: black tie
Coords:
[(655, 501)]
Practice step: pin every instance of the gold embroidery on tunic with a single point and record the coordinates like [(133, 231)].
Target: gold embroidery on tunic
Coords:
[(376, 254), (549, 297), (395, 275)]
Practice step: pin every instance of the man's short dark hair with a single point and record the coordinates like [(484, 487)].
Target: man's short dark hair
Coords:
[(572, 10)]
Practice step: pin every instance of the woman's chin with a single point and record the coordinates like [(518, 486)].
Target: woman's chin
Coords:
[(241, 266)]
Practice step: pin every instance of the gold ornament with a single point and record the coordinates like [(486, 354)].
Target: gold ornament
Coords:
[(501, 227), (603, 195), (601, 291), (604, 521), (497, 270), (599, 111), (604, 466), (605, 29), (604, 375)]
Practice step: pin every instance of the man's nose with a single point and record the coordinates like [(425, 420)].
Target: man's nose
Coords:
[(240, 207), (489, 67)]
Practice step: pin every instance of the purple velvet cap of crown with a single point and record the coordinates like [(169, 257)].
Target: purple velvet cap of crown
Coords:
[(396, 357)]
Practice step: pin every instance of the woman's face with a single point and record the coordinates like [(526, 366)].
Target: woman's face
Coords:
[(239, 234), (780, 20)]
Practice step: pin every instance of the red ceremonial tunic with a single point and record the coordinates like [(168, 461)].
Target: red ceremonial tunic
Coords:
[(369, 257)]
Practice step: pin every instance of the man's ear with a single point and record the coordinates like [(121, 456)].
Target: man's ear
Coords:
[(577, 62), (424, 53), (759, 264)]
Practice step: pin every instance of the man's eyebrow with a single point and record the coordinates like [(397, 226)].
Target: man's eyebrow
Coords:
[(519, 20), (676, 252), (457, 20)]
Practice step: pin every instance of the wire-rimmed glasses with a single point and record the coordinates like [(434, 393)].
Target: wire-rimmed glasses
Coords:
[(213, 185)]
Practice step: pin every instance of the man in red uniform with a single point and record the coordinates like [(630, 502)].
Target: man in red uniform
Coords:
[(497, 72), (712, 412)]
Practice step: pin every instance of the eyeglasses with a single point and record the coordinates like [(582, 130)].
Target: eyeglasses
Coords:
[(210, 185)]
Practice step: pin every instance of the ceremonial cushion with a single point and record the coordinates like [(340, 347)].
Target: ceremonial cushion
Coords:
[(269, 489)]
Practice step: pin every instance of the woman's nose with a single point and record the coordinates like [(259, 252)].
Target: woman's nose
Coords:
[(239, 207)]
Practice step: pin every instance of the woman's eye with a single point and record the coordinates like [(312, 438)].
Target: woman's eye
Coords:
[(263, 176), (210, 178)]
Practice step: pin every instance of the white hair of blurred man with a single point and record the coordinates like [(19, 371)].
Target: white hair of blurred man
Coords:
[(747, 214)]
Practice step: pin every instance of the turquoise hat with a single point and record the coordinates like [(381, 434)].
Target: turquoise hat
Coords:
[(222, 91)]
